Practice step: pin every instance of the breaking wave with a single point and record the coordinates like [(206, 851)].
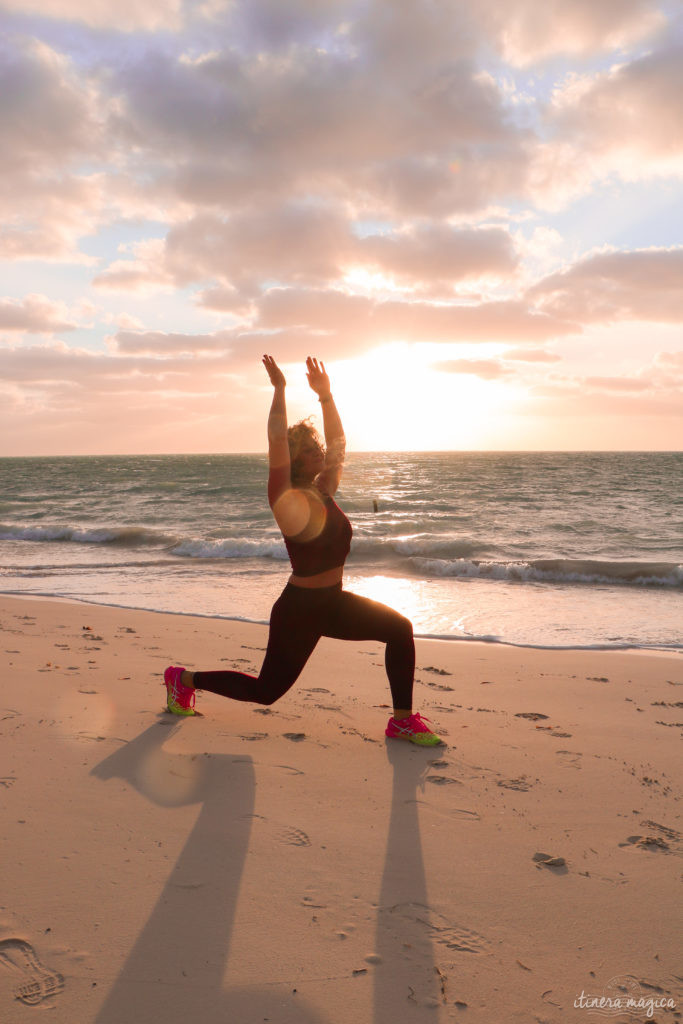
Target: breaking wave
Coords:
[(557, 570)]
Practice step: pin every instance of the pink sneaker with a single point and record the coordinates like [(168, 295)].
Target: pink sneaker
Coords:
[(413, 728), (179, 698)]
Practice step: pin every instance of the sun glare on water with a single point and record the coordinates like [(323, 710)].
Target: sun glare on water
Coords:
[(402, 594)]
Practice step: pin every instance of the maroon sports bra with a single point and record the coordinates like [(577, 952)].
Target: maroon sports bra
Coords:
[(327, 549)]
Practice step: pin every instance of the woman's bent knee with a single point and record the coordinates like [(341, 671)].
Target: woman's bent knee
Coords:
[(403, 627), (266, 699)]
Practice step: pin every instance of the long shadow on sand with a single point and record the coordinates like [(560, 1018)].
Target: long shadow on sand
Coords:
[(406, 980), (176, 968)]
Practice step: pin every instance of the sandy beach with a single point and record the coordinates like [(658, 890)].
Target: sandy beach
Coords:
[(289, 864)]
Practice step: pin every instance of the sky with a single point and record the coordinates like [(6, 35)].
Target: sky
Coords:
[(473, 213)]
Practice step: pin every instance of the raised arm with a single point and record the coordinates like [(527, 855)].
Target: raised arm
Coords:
[(335, 442), (278, 448)]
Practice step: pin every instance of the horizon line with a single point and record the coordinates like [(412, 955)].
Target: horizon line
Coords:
[(368, 451)]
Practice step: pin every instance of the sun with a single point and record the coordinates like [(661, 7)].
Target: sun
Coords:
[(393, 399)]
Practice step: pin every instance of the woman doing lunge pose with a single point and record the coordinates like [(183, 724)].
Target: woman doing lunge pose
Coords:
[(303, 476)]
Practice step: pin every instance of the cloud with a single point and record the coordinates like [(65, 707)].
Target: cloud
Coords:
[(236, 348), (35, 314), (351, 120), (655, 387), (163, 344), (624, 121), (120, 15), (69, 400), (670, 360), (334, 321), (48, 122), (577, 404), (617, 383), (46, 110), (487, 369), (435, 253), (644, 284), (309, 244), (377, 108), (528, 32), (273, 26), (531, 355), (291, 242), (493, 369), (374, 321), (667, 371), (145, 272), (44, 218), (58, 369)]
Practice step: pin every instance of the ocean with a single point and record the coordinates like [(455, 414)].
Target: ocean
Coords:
[(543, 549)]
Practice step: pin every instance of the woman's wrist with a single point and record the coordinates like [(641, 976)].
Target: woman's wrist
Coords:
[(325, 398)]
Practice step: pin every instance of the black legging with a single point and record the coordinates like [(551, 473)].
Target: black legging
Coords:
[(300, 616)]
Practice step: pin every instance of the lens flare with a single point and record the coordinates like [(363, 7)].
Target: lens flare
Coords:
[(81, 715), (171, 780), (300, 514)]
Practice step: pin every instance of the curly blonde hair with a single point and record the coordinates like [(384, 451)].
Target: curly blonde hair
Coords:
[(297, 435)]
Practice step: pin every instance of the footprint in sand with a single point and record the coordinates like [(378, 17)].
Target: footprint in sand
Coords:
[(522, 785), (461, 813), (569, 758), (660, 837), (669, 833), (651, 843), (547, 860), (443, 780), (38, 982), (293, 837), (289, 835), (533, 716), (440, 929)]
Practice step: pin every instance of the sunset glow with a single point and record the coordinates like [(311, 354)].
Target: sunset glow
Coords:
[(472, 215), (394, 400)]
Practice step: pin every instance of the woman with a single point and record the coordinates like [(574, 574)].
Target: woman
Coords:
[(301, 481)]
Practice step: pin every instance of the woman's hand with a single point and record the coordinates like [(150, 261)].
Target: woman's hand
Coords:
[(317, 377), (277, 377)]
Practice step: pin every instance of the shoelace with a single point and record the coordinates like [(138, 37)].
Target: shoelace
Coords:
[(411, 718), (183, 699)]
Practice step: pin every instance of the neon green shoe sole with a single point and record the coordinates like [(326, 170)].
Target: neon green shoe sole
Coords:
[(413, 729)]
